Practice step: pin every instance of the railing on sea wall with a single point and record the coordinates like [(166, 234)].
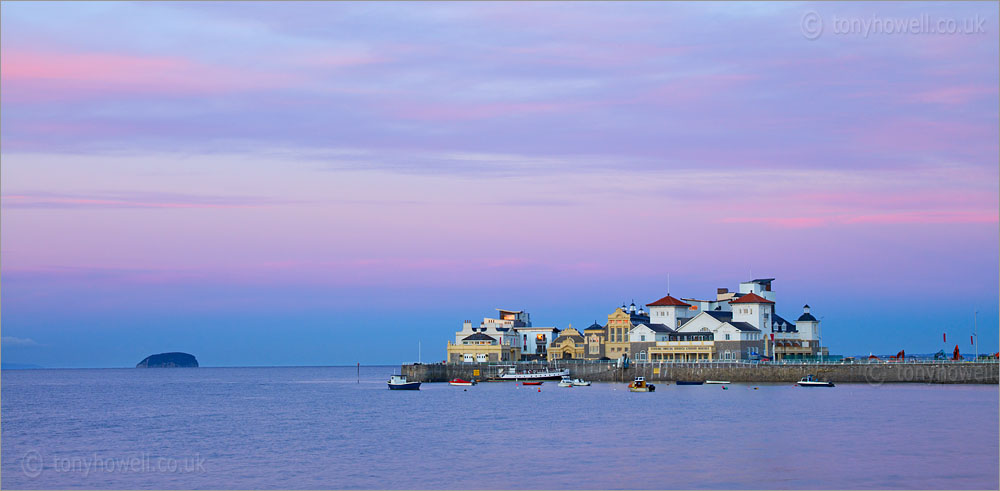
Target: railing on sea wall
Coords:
[(615, 363)]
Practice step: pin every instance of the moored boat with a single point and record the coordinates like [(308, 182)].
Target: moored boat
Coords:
[(565, 382), (688, 382), (579, 382), (724, 382), (458, 381), (511, 373), (640, 385), (531, 383), (811, 381), (399, 382)]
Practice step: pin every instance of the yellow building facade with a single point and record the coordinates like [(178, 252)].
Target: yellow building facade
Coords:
[(618, 328), (570, 345), (682, 351)]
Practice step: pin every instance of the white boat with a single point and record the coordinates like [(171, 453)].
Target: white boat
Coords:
[(726, 382), (458, 381), (579, 382), (565, 382), (811, 381), (511, 373), (398, 382)]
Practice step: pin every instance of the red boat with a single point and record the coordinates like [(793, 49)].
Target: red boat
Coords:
[(531, 383), (458, 381)]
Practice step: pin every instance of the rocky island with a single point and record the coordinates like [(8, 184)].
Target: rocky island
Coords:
[(168, 360)]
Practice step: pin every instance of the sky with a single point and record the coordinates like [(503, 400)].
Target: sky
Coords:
[(336, 183)]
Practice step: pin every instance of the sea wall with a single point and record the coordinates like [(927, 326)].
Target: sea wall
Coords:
[(875, 373)]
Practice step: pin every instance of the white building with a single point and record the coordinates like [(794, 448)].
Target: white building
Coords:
[(670, 312), (748, 317), (534, 341)]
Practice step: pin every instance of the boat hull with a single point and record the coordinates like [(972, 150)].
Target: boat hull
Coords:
[(642, 389), (717, 382), (517, 377), (406, 386), (816, 384)]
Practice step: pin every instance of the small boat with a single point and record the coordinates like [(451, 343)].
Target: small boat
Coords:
[(640, 385), (565, 382), (531, 383), (724, 382), (458, 381), (579, 382), (811, 381), (688, 382), (398, 382)]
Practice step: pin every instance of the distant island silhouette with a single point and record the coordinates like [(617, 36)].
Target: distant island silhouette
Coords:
[(168, 360)]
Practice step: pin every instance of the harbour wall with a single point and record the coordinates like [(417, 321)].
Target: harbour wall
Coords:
[(873, 374)]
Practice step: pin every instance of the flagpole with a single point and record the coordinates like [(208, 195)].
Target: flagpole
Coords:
[(975, 331)]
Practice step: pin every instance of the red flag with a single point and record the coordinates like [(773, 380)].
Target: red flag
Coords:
[(971, 342), (772, 336), (945, 335)]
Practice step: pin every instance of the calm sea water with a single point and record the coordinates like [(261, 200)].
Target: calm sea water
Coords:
[(251, 428)]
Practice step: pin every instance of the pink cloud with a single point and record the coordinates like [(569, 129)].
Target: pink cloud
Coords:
[(132, 200), (44, 75), (453, 111), (953, 95), (896, 218)]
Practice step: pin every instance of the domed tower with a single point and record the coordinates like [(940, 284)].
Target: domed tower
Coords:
[(807, 325)]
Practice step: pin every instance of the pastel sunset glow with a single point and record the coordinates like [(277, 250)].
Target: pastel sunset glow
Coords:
[(316, 183)]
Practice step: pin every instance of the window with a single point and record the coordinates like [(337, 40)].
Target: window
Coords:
[(727, 339), (642, 337)]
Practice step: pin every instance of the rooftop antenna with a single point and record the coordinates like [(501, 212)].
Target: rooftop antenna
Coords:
[(668, 284)]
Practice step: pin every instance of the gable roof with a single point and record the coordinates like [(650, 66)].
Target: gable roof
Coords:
[(661, 328), (751, 298), (668, 301), (744, 326), (719, 315), (575, 337)]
